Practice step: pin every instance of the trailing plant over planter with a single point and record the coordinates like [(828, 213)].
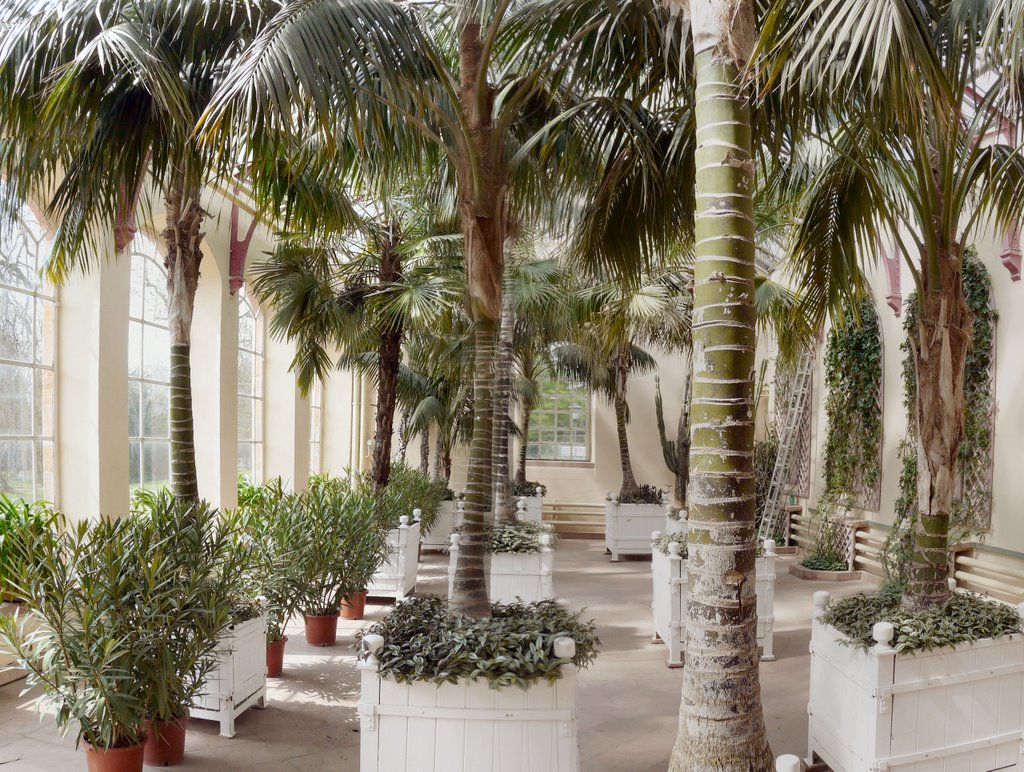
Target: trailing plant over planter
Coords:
[(527, 488), (519, 536), (853, 381), (970, 512), (662, 542), (963, 618), (644, 494), (425, 640)]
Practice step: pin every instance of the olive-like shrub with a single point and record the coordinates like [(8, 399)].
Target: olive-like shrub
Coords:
[(425, 640), (527, 488), (662, 542), (517, 536), (963, 618)]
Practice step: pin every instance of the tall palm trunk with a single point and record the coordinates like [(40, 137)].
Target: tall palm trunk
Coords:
[(621, 365), (721, 726), (424, 450), (940, 349), (521, 466), (481, 182), (389, 359), (182, 239), (503, 506)]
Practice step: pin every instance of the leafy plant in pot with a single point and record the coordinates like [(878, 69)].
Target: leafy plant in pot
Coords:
[(20, 521), (190, 546), (78, 641), (268, 518), (338, 546)]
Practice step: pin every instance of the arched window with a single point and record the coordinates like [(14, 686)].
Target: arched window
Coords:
[(316, 395), (27, 334), (149, 372), (250, 389)]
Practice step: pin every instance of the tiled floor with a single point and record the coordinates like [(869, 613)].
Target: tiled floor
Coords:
[(628, 701)]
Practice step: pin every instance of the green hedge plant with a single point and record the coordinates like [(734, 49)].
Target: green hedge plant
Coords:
[(425, 640), (21, 523)]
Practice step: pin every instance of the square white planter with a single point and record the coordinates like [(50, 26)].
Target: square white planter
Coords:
[(675, 524), (467, 726), (524, 576), (396, 578), (671, 582), (529, 508), (448, 519), (628, 527), (239, 680), (955, 708)]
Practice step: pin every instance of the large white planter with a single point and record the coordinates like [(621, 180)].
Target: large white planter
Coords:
[(671, 583), (467, 726), (524, 576), (448, 519), (956, 708), (628, 527), (396, 578), (239, 680), (530, 508)]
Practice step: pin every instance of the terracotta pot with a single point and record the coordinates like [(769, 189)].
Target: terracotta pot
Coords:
[(354, 606), (275, 657), (165, 741), (322, 631), (127, 759)]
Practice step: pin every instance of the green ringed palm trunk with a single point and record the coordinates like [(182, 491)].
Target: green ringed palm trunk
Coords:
[(940, 354), (504, 508), (389, 359), (721, 726), (629, 485), (521, 466), (182, 238)]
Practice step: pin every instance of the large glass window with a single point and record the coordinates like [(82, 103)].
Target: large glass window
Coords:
[(316, 395), (250, 389), (560, 424), (27, 320), (149, 370)]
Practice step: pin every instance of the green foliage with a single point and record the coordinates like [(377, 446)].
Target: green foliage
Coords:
[(829, 550), (425, 640), (645, 494), (853, 379), (19, 520), (662, 542), (527, 488), (824, 562), (518, 536), (409, 489), (961, 619)]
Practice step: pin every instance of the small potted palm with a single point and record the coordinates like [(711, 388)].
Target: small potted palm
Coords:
[(91, 662), (337, 547)]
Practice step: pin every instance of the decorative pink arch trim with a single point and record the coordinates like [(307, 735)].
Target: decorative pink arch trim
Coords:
[(238, 250), (891, 259)]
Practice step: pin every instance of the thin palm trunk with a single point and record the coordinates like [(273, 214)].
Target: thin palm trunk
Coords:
[(403, 437), (521, 470), (940, 350), (389, 358), (721, 725), (182, 239), (424, 450), (629, 484), (435, 470), (482, 219), (683, 444), (503, 504)]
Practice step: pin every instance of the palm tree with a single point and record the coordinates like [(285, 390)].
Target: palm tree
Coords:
[(362, 292), (615, 326), (905, 153)]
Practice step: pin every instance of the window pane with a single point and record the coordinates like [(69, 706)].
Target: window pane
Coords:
[(245, 459), (245, 418), (43, 403), (15, 400), (245, 365), (134, 463), (246, 329), (134, 409), (257, 420), (134, 350), (156, 465), (156, 360), (155, 410), (16, 326), (46, 471), (155, 292), (16, 468)]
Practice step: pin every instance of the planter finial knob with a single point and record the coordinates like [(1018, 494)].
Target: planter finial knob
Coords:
[(883, 633), (951, 584), (655, 535), (403, 521), (454, 540), (417, 514), (769, 547), (787, 763), (545, 540), (521, 503), (821, 599), (674, 548), (564, 648), (373, 644)]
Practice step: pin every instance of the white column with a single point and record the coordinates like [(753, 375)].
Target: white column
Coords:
[(285, 418)]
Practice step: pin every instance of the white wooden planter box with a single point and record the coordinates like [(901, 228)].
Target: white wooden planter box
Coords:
[(675, 524), (950, 709), (524, 576), (448, 519), (397, 577), (468, 726), (628, 527), (530, 508), (671, 582), (239, 680)]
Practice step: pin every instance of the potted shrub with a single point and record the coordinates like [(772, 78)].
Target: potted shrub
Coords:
[(531, 493), (670, 577), (88, 655), (630, 519), (268, 519), (898, 689), (338, 544), (519, 561), (191, 542), (514, 672)]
